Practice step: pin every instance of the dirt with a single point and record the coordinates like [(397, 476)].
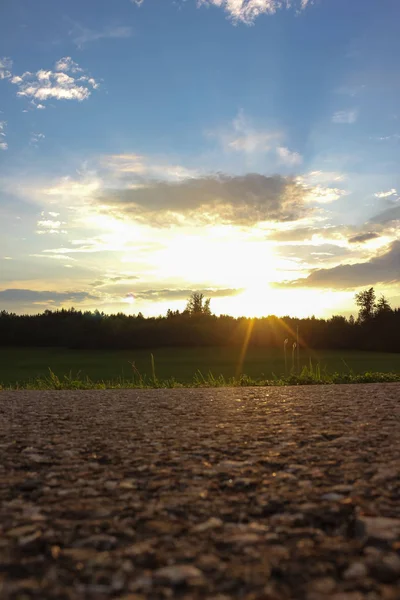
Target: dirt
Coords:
[(257, 494)]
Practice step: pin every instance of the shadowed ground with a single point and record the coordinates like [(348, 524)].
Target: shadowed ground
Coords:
[(257, 494)]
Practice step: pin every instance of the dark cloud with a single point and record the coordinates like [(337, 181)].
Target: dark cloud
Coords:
[(301, 234), (363, 237), (243, 200), (390, 214), (384, 268), (180, 294), (116, 279), (122, 278), (31, 296)]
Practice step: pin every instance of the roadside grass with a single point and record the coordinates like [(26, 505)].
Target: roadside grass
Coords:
[(310, 375), (172, 364)]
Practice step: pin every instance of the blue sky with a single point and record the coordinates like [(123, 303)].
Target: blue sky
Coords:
[(247, 148)]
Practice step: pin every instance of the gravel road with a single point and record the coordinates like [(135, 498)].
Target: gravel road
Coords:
[(253, 493)]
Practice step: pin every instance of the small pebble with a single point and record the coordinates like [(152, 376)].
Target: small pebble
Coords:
[(357, 570), (386, 570), (325, 585), (178, 574), (332, 497), (212, 523)]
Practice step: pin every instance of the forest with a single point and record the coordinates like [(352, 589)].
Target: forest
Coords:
[(376, 328)]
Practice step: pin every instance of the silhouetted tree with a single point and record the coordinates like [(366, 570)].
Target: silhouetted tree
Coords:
[(382, 306), (366, 301), (197, 304), (377, 329)]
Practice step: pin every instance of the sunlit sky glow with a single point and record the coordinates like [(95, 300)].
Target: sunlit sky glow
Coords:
[(248, 149)]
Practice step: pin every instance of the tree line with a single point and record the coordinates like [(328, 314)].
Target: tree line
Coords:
[(377, 327)]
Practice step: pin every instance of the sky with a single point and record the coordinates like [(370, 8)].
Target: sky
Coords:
[(248, 149)]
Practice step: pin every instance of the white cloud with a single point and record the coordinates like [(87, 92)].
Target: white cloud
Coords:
[(5, 67), (325, 195), (255, 142), (67, 64), (58, 92), (43, 75), (251, 142), (46, 225), (387, 138), (345, 117), (3, 143), (391, 192), (314, 177), (140, 166), (72, 191), (44, 85), (35, 138), (287, 157), (83, 35), (242, 136), (60, 256), (246, 11), (318, 192), (49, 224)]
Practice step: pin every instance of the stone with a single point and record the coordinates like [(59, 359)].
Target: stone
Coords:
[(178, 574), (212, 523), (332, 497), (378, 530), (138, 549), (386, 570), (77, 554), (18, 532), (100, 542), (29, 485), (209, 562), (324, 585), (356, 570), (40, 459), (243, 539), (347, 596), (111, 485), (29, 540), (342, 488)]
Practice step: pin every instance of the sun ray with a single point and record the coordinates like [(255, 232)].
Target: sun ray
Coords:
[(245, 346)]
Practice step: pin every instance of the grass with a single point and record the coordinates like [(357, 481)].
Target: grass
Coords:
[(306, 377), (38, 368)]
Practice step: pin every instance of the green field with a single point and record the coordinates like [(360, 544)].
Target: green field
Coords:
[(23, 364)]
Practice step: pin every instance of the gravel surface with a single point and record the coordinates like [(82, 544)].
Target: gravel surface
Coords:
[(254, 493)]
